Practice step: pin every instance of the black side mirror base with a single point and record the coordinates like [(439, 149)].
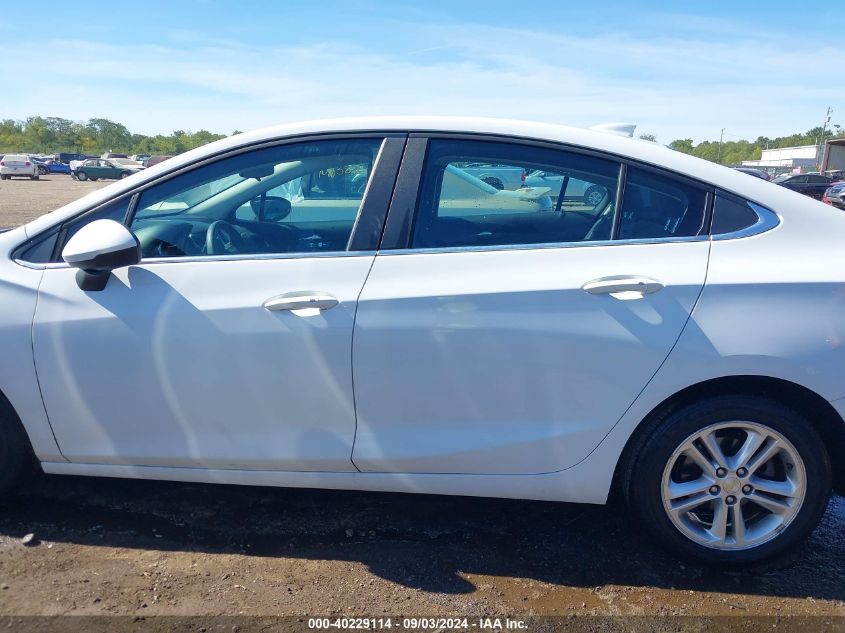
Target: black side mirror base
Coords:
[(92, 280)]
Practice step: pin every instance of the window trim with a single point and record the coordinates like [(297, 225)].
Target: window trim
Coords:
[(391, 167), (402, 214)]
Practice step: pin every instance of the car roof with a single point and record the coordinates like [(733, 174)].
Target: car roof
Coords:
[(755, 189)]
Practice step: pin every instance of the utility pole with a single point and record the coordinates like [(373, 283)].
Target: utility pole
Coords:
[(820, 144), (719, 155)]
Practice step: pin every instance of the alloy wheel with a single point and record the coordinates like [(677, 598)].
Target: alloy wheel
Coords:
[(733, 485)]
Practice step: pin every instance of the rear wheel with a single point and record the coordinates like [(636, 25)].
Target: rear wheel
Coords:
[(81, 175), (42, 170), (732, 480), (34, 177)]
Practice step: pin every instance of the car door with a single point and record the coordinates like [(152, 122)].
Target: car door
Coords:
[(229, 345), (506, 335)]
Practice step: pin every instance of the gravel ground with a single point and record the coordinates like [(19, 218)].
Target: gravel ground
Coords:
[(22, 200), (151, 548)]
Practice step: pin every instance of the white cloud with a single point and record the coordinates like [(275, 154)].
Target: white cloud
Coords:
[(669, 86)]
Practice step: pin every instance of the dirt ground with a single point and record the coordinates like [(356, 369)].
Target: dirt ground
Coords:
[(139, 548), (22, 200)]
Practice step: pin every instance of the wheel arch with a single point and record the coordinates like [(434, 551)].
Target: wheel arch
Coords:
[(821, 414)]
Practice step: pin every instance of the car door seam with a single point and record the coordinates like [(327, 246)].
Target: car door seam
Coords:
[(35, 365)]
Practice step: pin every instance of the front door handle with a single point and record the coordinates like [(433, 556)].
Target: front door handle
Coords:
[(623, 286), (301, 301)]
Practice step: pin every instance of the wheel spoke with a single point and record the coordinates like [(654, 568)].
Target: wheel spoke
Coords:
[(687, 488), (715, 450), (719, 529), (772, 504), (769, 450), (782, 488), (689, 503), (753, 441), (738, 521), (701, 460)]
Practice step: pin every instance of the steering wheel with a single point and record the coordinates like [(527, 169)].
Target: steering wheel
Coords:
[(223, 239)]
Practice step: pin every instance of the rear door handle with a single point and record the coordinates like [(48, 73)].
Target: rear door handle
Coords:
[(623, 286), (301, 301)]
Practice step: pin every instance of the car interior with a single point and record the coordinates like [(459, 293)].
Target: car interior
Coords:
[(298, 206), (484, 216)]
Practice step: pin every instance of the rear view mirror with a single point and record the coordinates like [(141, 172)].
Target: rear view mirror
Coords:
[(258, 172), (99, 248)]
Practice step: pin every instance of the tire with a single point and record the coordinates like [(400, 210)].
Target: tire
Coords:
[(34, 177), (799, 465), (123, 174), (42, 171), (593, 195), (493, 182), (81, 175), (16, 455)]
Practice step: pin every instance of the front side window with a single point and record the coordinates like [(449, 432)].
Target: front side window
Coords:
[(289, 199), (477, 193)]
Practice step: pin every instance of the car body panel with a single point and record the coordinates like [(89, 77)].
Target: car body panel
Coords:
[(198, 372), (509, 366)]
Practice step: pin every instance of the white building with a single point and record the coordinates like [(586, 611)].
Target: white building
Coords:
[(803, 158)]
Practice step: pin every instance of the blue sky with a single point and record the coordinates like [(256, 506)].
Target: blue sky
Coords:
[(677, 69)]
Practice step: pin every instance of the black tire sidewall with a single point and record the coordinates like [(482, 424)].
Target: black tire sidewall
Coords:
[(15, 451), (646, 480)]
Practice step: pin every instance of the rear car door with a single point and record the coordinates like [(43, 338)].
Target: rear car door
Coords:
[(507, 331), (229, 345)]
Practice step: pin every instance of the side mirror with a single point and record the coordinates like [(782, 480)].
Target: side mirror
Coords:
[(99, 248)]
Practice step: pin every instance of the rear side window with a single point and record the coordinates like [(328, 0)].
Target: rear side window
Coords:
[(478, 193), (656, 206)]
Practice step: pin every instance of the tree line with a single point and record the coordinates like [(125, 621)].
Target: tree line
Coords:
[(734, 152), (45, 135), (42, 135)]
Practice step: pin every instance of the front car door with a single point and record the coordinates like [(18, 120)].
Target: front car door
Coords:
[(210, 352), (508, 331)]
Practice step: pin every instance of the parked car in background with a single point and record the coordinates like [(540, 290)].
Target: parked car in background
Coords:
[(66, 157), (96, 168), (835, 174), (140, 158), (113, 155), (130, 163), (583, 191), (155, 160), (759, 173), (499, 176), (55, 167), (813, 185), (18, 165), (835, 195)]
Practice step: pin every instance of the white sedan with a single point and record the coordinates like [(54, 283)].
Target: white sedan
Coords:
[(336, 305)]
